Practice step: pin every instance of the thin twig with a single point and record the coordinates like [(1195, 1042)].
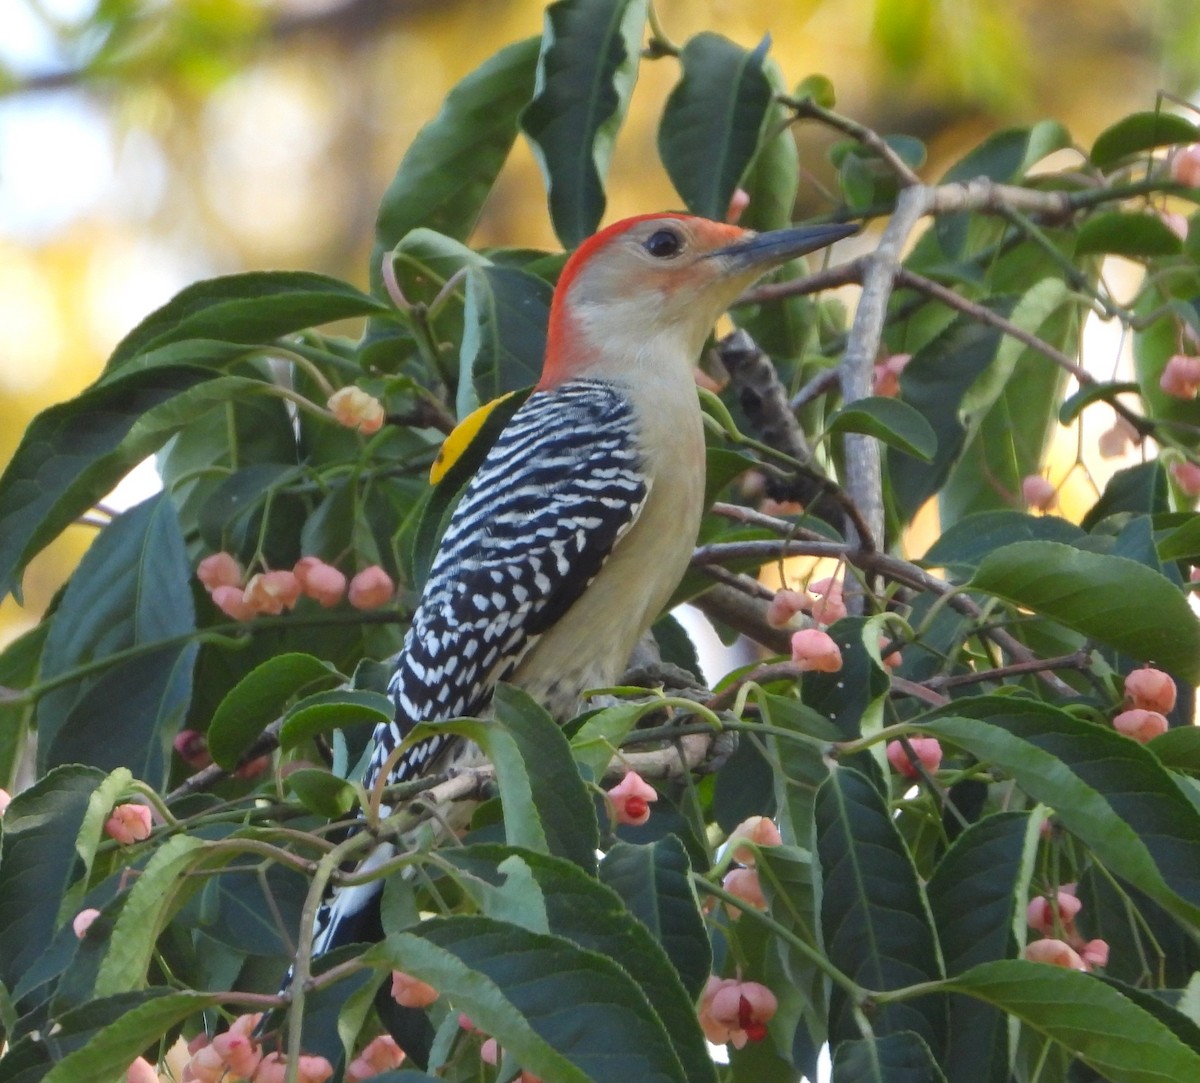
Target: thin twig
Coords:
[(806, 108)]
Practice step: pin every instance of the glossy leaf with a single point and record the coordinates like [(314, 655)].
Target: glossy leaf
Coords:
[(595, 916), (1009, 411), (1091, 1019), (258, 699), (1106, 789), (111, 1049), (654, 883), (547, 807), (710, 126), (1118, 233), (1140, 489), (151, 899), (977, 897), (585, 75), (252, 308), (129, 593), (902, 1057), (452, 164), (73, 454), (504, 336), (934, 383), (1111, 599), (773, 177), (513, 984), (325, 711), (971, 539), (891, 421), (874, 917), (38, 862), (1140, 132)]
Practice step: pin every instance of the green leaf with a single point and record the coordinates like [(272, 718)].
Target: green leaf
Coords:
[(129, 591), (1178, 749), (902, 1057), (1181, 543), (1120, 233), (450, 167), (514, 985), (965, 544), (876, 924), (596, 742), (802, 765), (1009, 410), (1107, 790), (547, 807), (654, 881), (38, 862), (1140, 489), (111, 1049), (336, 709), (818, 87), (892, 421), (504, 334), (1090, 1018), (773, 177), (1073, 406), (74, 453), (254, 308), (250, 910), (258, 699), (712, 121), (977, 895), (1116, 601), (91, 835), (322, 791), (585, 75), (934, 382), (152, 898), (560, 800), (1138, 132), (593, 916)]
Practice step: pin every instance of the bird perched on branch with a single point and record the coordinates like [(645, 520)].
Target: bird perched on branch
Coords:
[(579, 524)]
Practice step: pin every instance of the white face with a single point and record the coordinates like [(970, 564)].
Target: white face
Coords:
[(659, 279), (669, 260)]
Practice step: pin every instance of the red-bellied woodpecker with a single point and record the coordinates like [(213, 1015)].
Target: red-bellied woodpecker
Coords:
[(580, 522)]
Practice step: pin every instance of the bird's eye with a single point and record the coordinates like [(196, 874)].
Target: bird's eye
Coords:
[(663, 244)]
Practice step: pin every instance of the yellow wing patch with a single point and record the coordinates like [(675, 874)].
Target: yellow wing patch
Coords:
[(461, 438)]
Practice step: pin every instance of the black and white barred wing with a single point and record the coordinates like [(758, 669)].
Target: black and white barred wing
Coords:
[(553, 497)]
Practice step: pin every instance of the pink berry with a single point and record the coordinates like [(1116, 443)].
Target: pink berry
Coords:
[(129, 823), (928, 751), (1150, 689), (1055, 952), (1185, 166), (1038, 493), (356, 409), (371, 588), (1181, 376), (631, 799), (1187, 477), (1141, 725), (410, 992), (320, 581), (219, 570), (815, 651)]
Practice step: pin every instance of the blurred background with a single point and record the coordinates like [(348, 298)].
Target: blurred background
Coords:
[(147, 143)]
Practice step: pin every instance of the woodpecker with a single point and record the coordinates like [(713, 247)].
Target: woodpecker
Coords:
[(580, 522)]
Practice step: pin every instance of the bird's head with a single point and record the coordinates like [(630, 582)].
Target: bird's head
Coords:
[(654, 285)]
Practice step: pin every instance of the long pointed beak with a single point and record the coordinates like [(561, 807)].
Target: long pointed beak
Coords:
[(763, 250)]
